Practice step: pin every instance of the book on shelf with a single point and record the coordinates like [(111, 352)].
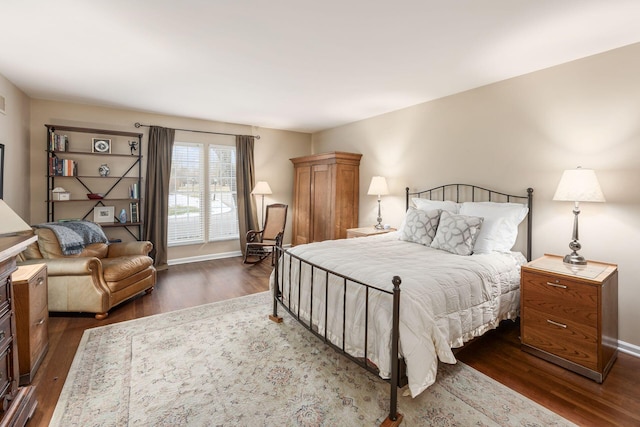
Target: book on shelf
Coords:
[(134, 212), (62, 167), (58, 142), (134, 191)]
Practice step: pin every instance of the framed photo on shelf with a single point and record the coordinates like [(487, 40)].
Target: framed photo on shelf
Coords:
[(103, 214), (101, 145)]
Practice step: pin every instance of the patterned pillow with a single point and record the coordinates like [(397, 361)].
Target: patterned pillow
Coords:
[(420, 226), (457, 233)]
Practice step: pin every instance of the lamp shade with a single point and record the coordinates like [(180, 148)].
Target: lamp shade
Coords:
[(11, 222), (262, 188), (579, 185), (378, 186)]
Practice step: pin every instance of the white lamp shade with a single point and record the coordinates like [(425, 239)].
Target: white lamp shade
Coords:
[(262, 188), (378, 186), (11, 222), (579, 185)]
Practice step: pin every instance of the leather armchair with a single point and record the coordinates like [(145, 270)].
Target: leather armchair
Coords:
[(94, 281)]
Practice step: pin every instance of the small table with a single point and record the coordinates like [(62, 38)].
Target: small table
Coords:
[(366, 231), (32, 318), (569, 314)]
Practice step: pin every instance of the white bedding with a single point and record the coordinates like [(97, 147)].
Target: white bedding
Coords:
[(446, 299)]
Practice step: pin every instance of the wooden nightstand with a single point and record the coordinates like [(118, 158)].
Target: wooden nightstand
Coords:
[(569, 314), (366, 231), (32, 318)]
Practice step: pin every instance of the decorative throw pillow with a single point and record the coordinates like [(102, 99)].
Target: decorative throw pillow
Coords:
[(429, 205), (457, 233), (420, 226), (500, 227)]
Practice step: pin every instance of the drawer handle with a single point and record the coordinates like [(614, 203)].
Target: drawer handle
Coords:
[(562, 325), (2, 335), (40, 281), (557, 285), (40, 322)]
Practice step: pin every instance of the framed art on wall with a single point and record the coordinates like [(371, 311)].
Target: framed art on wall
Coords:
[(103, 214), (101, 145)]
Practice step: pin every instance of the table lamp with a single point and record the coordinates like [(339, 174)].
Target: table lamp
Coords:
[(378, 187), (578, 185)]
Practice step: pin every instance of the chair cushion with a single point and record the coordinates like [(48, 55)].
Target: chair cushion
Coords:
[(116, 269)]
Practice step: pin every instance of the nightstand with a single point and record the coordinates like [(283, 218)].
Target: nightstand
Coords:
[(32, 318), (366, 231), (569, 314)]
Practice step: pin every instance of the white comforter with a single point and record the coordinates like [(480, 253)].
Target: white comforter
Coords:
[(446, 299)]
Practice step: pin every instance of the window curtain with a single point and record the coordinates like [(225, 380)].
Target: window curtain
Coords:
[(156, 201), (245, 181)]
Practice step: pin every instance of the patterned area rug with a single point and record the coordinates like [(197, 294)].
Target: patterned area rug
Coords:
[(226, 364)]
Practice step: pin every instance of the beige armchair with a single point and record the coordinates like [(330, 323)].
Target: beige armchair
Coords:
[(94, 281)]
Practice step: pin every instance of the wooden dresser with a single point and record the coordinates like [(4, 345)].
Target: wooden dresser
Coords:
[(18, 403), (325, 196), (569, 314), (32, 318)]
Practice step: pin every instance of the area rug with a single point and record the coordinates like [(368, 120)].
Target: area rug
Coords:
[(226, 364)]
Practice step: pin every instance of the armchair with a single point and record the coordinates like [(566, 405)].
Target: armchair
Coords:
[(261, 243), (95, 280)]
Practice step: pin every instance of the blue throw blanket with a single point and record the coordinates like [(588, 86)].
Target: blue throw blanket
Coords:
[(73, 236)]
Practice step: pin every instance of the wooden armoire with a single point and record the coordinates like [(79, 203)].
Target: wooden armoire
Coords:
[(325, 196)]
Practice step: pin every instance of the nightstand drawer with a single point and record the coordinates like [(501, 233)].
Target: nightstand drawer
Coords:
[(39, 337), (570, 340), (560, 297), (38, 293)]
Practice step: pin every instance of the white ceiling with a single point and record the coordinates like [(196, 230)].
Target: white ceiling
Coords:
[(292, 64)]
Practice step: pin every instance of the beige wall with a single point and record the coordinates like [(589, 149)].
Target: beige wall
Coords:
[(272, 153), (522, 133), (14, 134)]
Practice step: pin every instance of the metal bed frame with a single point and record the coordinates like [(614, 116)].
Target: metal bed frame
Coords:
[(454, 192)]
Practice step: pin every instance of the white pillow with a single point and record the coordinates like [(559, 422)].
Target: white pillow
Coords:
[(500, 227), (457, 233), (429, 205), (420, 226)]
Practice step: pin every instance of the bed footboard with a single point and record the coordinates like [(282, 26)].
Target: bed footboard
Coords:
[(282, 296)]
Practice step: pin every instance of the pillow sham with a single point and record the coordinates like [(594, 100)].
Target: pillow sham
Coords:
[(429, 205), (420, 226), (500, 227), (457, 233)]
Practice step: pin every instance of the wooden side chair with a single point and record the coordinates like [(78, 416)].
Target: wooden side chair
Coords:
[(261, 244)]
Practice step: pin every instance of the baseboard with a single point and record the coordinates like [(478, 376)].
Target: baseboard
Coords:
[(625, 347), (209, 257)]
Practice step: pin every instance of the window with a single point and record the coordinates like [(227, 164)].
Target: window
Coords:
[(202, 194)]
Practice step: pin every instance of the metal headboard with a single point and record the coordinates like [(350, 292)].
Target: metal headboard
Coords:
[(473, 193)]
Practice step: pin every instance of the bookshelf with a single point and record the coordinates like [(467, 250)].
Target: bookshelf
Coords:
[(87, 161)]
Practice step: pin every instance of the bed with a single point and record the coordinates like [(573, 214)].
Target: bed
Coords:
[(453, 259)]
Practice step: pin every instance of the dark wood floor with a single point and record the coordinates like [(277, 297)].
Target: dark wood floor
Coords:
[(497, 353)]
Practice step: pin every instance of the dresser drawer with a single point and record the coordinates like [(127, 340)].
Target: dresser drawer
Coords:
[(5, 372), (4, 297), (565, 338), (5, 331), (563, 298)]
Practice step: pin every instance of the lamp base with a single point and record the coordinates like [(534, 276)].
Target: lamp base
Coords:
[(575, 259), (379, 226)]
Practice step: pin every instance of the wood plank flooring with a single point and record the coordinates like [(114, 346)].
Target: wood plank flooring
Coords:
[(497, 354)]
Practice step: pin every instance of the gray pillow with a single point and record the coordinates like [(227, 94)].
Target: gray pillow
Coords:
[(457, 233), (420, 226)]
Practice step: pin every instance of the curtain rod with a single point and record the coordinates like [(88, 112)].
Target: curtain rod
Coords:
[(138, 124)]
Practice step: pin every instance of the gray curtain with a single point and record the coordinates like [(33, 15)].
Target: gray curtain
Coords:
[(245, 180), (156, 201)]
